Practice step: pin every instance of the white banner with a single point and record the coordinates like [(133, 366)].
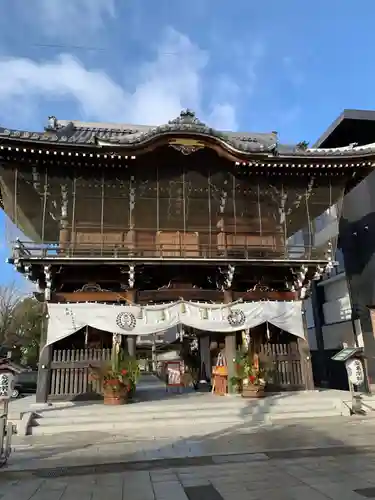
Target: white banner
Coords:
[(66, 319)]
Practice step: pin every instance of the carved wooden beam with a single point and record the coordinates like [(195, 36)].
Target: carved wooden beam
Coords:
[(90, 297), (172, 294), (261, 295)]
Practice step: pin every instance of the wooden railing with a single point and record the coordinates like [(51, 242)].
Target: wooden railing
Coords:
[(168, 251)]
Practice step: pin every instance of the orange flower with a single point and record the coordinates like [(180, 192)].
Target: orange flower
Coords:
[(252, 378), (124, 372)]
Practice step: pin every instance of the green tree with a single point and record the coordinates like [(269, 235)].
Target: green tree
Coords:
[(28, 329), (23, 325), (9, 298)]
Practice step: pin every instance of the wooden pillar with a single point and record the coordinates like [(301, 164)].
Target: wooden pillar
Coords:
[(64, 237), (205, 356), (131, 339), (154, 356), (230, 354), (45, 357), (305, 357), (44, 371), (230, 347), (64, 221), (132, 343)]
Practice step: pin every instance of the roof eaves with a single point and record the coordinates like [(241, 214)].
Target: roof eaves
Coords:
[(347, 114)]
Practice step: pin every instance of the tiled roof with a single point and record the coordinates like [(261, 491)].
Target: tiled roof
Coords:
[(95, 133), (98, 134)]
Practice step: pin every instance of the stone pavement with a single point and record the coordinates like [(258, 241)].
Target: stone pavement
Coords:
[(313, 459), (315, 474), (88, 448)]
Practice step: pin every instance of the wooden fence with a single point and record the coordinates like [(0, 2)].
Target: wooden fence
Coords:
[(70, 373), (285, 361)]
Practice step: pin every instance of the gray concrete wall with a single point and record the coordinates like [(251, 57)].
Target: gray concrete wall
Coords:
[(357, 240)]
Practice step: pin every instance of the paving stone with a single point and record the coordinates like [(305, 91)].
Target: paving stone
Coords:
[(163, 476), (366, 492), (197, 481), (23, 490), (295, 493), (207, 492), (114, 493), (336, 491), (171, 490)]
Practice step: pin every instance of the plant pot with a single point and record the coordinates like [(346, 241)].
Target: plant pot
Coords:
[(115, 397), (239, 387), (253, 391)]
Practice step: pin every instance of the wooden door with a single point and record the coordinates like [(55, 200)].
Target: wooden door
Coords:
[(285, 361)]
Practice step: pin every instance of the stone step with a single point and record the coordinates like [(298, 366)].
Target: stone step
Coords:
[(217, 422), (134, 412), (99, 417), (190, 405)]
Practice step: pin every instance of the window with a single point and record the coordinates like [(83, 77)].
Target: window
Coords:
[(339, 257)]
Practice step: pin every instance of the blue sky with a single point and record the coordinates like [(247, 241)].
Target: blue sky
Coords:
[(288, 66)]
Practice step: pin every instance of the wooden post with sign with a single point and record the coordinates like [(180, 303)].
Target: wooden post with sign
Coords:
[(353, 359), (6, 427)]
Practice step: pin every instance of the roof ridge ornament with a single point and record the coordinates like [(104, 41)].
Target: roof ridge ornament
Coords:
[(52, 123), (187, 117)]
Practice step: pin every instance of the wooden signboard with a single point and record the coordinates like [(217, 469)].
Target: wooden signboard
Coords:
[(173, 374), (220, 376)]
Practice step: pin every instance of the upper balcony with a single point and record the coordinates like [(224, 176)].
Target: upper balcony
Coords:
[(175, 246)]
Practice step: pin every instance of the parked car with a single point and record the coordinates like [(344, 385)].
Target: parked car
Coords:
[(25, 383)]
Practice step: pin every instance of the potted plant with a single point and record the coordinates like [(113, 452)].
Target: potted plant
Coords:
[(114, 381), (251, 377), (254, 383), (255, 380)]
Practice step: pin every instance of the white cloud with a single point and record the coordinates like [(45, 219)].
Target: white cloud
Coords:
[(67, 18), (175, 79)]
